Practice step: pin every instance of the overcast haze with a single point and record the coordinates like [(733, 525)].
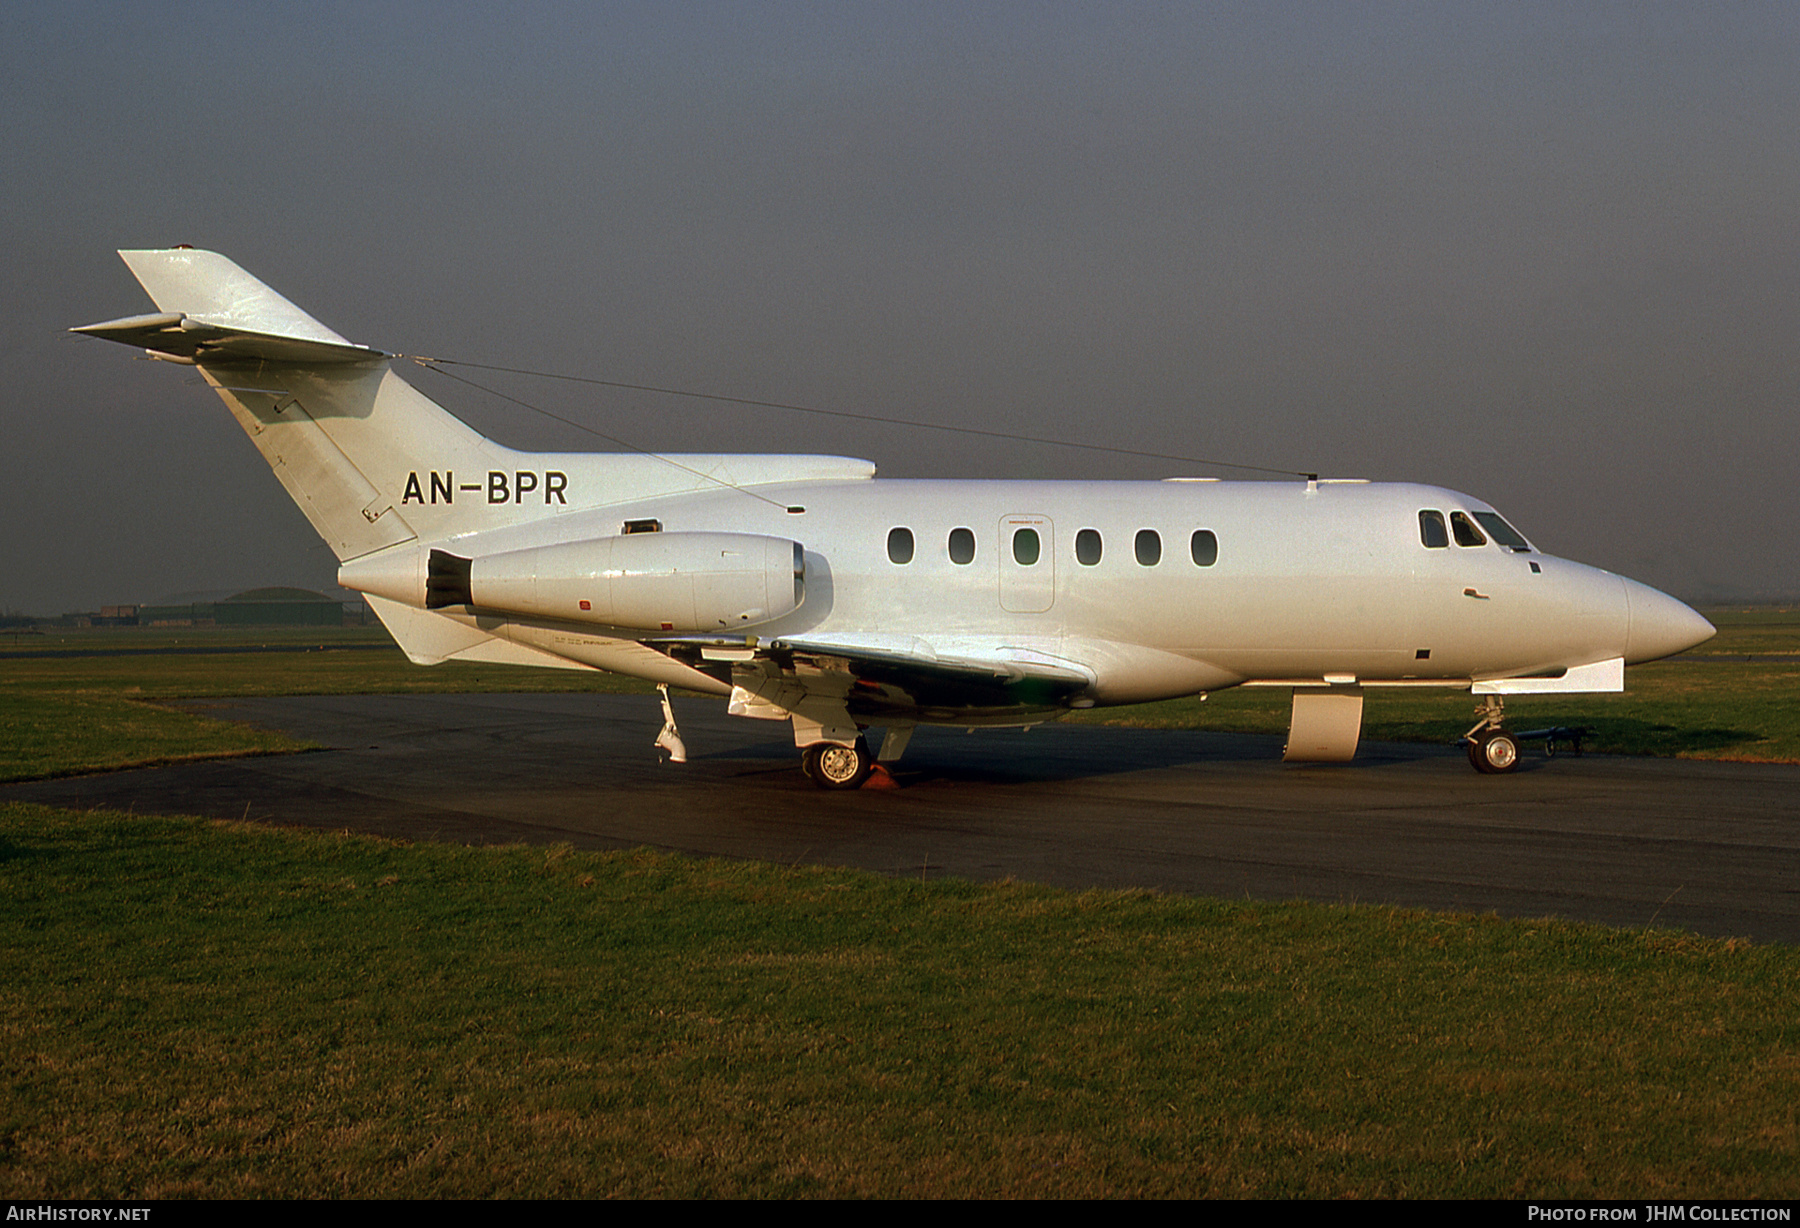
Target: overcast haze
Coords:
[(1548, 255)]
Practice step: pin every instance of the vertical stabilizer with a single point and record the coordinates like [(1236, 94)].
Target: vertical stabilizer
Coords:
[(346, 437), (371, 460)]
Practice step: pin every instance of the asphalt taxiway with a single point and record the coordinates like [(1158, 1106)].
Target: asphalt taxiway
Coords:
[(1709, 847)]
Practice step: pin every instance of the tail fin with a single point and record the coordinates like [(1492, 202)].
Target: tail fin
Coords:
[(339, 429), (373, 462)]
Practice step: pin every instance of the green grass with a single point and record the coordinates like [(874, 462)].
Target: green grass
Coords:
[(190, 1008)]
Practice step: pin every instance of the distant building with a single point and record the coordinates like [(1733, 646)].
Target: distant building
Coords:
[(259, 607), (190, 614)]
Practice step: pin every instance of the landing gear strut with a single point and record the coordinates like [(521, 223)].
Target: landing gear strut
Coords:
[(1491, 749), (670, 737), (838, 767)]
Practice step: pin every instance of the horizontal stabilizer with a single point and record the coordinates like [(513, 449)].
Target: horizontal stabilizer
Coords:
[(189, 339), (210, 310)]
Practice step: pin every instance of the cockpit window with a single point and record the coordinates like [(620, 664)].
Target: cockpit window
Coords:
[(1432, 531), (1502, 532), (1466, 532)]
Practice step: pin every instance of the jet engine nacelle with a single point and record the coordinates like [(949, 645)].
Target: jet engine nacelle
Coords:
[(680, 582)]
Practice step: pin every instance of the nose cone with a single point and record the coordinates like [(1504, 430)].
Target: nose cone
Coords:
[(1660, 625)]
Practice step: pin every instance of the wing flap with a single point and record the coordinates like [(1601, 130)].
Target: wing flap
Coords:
[(1006, 665), (883, 678)]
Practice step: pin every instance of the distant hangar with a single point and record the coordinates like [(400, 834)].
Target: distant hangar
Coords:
[(257, 607)]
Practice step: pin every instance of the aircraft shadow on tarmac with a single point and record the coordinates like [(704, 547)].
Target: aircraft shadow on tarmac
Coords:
[(1066, 753)]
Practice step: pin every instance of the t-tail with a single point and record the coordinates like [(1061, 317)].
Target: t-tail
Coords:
[(387, 476), (369, 459), (373, 462)]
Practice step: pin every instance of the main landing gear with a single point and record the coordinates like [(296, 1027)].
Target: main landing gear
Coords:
[(1491, 749), (838, 767), (670, 738)]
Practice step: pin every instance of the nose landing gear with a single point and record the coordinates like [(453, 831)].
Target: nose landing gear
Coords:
[(1491, 749), (1494, 751)]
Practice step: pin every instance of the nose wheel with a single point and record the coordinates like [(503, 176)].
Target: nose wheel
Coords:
[(838, 767), (1492, 750)]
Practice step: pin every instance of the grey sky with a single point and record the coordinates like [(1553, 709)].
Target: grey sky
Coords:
[(1549, 255)]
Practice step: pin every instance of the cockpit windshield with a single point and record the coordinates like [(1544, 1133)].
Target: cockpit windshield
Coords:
[(1502, 532)]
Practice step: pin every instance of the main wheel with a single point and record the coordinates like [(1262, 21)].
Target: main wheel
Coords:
[(1494, 752), (838, 767)]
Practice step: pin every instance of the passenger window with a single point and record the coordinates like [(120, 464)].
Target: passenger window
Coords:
[(900, 545), (1148, 547), (1026, 547), (1432, 531), (1087, 547), (1502, 532), (962, 546), (1204, 547), (1466, 532)]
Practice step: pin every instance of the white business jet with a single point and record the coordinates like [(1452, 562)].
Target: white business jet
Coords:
[(801, 589)]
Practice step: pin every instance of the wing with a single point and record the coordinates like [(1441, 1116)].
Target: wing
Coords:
[(878, 679)]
